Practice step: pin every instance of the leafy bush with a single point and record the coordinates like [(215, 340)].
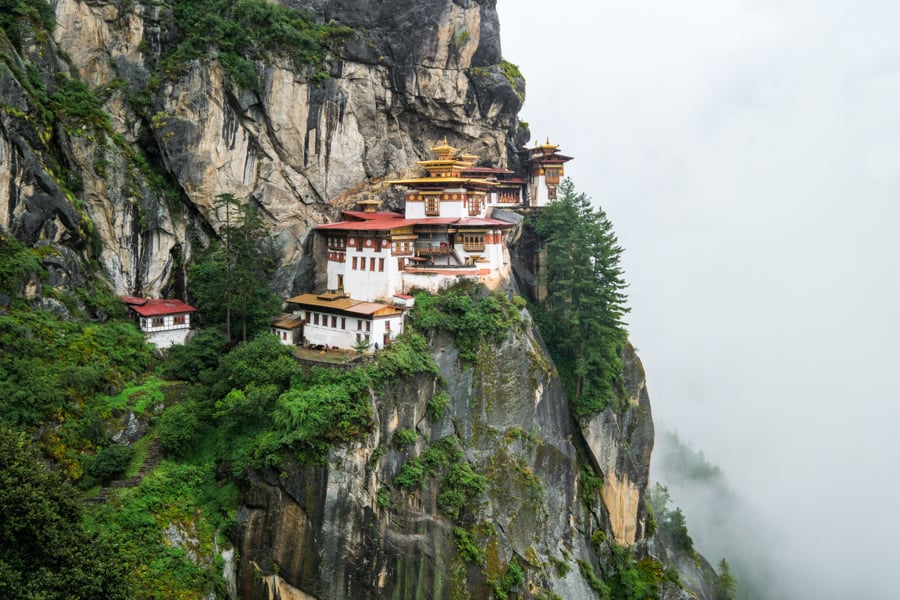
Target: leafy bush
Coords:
[(437, 406), (514, 576), (178, 428), (468, 313), (111, 463), (405, 437), (200, 355), (46, 551), (468, 547), (325, 412), (17, 262), (262, 361), (411, 474), (407, 356), (460, 487)]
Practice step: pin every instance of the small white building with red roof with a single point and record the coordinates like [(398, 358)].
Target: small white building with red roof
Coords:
[(165, 322)]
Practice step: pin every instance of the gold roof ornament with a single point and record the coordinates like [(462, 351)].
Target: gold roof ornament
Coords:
[(370, 205), (445, 151), (468, 158)]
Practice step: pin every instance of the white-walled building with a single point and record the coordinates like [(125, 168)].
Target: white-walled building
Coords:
[(546, 167), (445, 234), (165, 322), (288, 329), (338, 321)]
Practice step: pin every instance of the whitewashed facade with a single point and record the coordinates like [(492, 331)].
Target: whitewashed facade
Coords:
[(165, 322)]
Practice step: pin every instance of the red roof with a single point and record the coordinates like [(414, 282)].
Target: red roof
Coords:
[(134, 300), (372, 225), (393, 223), (158, 307)]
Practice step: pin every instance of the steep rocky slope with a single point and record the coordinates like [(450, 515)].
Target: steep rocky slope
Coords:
[(348, 529), (297, 145)]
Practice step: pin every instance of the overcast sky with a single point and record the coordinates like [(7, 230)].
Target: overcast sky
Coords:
[(748, 154)]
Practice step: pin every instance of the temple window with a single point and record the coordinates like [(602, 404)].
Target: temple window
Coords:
[(473, 242)]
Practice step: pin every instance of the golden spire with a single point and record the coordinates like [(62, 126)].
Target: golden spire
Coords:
[(445, 151)]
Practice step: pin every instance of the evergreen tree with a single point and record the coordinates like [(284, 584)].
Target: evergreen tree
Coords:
[(582, 316), (230, 281), (726, 587), (45, 551)]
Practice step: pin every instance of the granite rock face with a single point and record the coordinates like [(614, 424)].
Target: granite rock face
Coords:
[(139, 195), (346, 529)]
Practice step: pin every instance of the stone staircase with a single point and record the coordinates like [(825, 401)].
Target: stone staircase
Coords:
[(153, 458)]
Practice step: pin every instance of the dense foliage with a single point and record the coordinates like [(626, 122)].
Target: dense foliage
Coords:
[(44, 550), (230, 279), (53, 366), (14, 14), (581, 318), (244, 31), (470, 314)]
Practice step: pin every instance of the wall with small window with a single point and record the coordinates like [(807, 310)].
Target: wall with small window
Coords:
[(165, 322)]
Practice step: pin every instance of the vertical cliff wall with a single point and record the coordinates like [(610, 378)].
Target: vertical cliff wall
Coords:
[(299, 146), (350, 529)]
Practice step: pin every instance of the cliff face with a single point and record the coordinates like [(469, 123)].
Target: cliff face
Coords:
[(348, 529), (298, 148)]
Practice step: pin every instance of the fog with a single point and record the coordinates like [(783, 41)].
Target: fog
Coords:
[(748, 154)]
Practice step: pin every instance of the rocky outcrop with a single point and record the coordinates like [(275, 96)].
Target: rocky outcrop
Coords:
[(346, 529), (620, 443), (139, 194)]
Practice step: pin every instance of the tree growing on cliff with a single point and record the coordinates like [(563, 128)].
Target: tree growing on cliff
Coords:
[(581, 318), (230, 281)]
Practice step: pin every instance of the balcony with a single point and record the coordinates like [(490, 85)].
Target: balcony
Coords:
[(433, 249)]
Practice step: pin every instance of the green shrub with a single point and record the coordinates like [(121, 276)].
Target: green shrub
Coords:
[(200, 355), (111, 463), (178, 429), (514, 576), (467, 312), (411, 474), (468, 547), (437, 406), (383, 498), (460, 487), (405, 437)]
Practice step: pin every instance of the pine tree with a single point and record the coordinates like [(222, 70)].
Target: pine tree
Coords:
[(230, 281), (582, 315)]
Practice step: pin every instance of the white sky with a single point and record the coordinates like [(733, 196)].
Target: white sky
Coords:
[(748, 154)]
